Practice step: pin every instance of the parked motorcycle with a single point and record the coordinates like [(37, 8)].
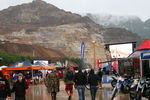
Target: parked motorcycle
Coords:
[(117, 87), (126, 84), (146, 89), (141, 89), (133, 88)]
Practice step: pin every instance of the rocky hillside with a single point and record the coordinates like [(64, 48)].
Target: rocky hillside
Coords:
[(43, 24), (131, 23), (33, 51), (40, 13)]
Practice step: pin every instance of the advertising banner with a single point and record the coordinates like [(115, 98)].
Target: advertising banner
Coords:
[(145, 54), (99, 63)]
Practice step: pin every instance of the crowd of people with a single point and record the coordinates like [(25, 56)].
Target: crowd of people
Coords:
[(21, 82), (79, 80), (72, 78), (37, 76)]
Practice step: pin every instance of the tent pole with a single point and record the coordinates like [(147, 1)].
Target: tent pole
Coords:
[(32, 77), (141, 68)]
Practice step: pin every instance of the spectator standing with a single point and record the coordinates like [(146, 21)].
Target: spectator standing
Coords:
[(20, 87), (80, 82), (47, 73), (28, 78), (100, 75), (4, 88), (68, 79), (52, 83), (93, 82), (36, 78), (86, 74)]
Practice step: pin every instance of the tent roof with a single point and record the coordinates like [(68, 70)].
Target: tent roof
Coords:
[(29, 68), (26, 66), (20, 64), (136, 54), (145, 45), (40, 64), (2, 67)]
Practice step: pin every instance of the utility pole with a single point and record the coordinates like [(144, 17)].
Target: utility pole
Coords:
[(94, 56)]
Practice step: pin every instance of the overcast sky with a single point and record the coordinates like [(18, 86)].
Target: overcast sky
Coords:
[(140, 8)]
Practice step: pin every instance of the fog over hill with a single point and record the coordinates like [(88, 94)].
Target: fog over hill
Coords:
[(131, 23)]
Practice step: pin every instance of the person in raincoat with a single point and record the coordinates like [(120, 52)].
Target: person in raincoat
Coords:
[(52, 83)]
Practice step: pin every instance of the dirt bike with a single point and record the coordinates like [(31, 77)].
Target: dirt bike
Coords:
[(117, 87), (141, 89)]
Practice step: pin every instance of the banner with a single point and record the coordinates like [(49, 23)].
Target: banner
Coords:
[(82, 54), (145, 55), (99, 64)]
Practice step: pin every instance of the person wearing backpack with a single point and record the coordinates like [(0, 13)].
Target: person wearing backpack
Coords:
[(68, 79), (52, 83), (4, 88)]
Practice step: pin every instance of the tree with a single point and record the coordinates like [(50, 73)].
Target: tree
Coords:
[(9, 58)]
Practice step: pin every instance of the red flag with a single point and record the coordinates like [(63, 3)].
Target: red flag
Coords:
[(115, 66)]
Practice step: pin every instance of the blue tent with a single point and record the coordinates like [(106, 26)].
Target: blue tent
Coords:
[(20, 64)]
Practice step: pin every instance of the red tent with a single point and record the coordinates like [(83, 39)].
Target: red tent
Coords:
[(145, 46)]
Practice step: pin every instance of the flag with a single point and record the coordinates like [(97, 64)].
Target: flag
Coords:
[(115, 66), (82, 54)]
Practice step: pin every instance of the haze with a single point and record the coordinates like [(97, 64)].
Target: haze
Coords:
[(138, 8)]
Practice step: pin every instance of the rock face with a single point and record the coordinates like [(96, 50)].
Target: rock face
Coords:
[(33, 51), (38, 12), (43, 24), (64, 38)]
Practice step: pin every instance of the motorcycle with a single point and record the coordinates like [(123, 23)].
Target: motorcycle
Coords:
[(133, 88), (125, 88), (140, 89), (146, 90), (117, 87)]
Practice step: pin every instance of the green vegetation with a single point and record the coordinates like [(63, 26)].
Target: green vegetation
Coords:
[(9, 59), (75, 60)]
